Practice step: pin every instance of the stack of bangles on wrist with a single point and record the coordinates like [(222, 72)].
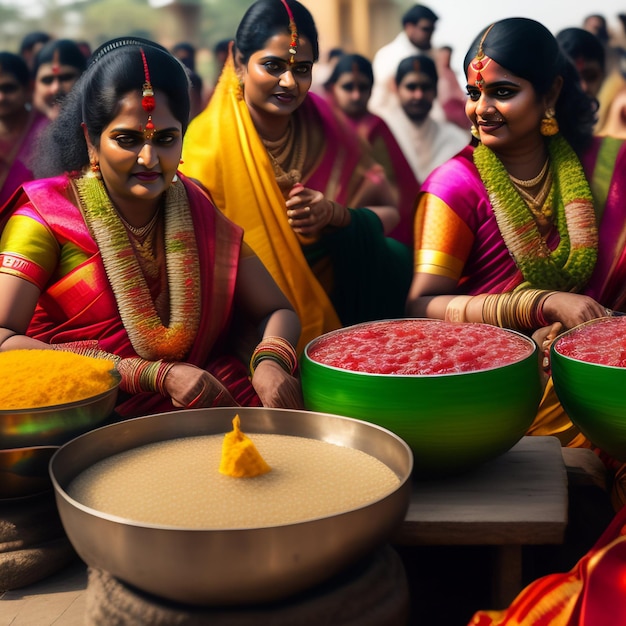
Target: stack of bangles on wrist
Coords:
[(277, 349), (139, 375), (518, 310)]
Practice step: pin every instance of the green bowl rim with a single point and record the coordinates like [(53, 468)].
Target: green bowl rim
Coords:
[(308, 359), (554, 353)]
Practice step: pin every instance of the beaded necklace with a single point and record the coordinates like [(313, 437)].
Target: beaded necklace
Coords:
[(148, 336), (570, 265)]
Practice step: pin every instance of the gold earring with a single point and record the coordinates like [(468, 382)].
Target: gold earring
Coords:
[(95, 169), (475, 132), (549, 125)]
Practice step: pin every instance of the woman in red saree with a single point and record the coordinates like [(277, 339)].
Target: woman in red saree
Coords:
[(349, 88), (279, 163), (120, 255)]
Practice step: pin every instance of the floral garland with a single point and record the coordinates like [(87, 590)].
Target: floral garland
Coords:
[(569, 266), (150, 339)]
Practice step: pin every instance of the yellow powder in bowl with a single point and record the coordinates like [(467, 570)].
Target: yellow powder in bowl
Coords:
[(43, 378)]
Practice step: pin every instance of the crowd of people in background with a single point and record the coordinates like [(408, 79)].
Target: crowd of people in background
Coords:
[(422, 121), (299, 203)]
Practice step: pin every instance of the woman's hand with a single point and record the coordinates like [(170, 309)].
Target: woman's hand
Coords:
[(571, 309), (544, 337), (191, 387), (275, 387), (309, 212)]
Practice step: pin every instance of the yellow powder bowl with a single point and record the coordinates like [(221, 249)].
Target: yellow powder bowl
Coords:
[(82, 391)]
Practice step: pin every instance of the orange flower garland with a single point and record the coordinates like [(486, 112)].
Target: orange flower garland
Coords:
[(149, 337)]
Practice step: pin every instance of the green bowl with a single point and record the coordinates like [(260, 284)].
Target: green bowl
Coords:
[(592, 394), (452, 422)]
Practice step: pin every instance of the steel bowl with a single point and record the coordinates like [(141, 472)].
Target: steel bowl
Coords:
[(55, 425), (24, 471), (592, 394), (452, 422), (231, 566)]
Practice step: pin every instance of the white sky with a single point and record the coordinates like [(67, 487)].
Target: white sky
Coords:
[(459, 22)]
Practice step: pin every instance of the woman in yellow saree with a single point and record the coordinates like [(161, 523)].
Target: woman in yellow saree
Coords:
[(279, 163)]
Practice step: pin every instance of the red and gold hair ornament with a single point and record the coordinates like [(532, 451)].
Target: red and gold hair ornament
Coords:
[(293, 29), (478, 63), (147, 100)]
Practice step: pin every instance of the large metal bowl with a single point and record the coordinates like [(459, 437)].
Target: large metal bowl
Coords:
[(55, 425), (24, 471), (452, 422), (232, 566), (593, 394)]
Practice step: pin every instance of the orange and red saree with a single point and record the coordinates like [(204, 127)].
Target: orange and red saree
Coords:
[(77, 302), (593, 593)]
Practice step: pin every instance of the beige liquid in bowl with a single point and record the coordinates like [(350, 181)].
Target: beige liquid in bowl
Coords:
[(177, 483)]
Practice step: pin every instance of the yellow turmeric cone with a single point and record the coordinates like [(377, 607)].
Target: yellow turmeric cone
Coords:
[(240, 458)]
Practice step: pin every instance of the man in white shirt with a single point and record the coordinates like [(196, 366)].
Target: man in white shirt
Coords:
[(425, 141), (418, 26)]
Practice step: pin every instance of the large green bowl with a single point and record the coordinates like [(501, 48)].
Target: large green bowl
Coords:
[(592, 394), (452, 422)]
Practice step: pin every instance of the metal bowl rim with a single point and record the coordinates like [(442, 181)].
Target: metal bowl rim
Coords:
[(135, 524)]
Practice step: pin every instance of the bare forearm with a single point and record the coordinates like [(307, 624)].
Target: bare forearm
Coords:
[(283, 323), (10, 340)]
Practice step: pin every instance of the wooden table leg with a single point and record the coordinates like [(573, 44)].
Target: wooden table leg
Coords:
[(507, 575)]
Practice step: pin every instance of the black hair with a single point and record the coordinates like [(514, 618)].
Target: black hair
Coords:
[(417, 63), (529, 50), (580, 43), (68, 51), (418, 12), (15, 65), (347, 63), (115, 69), (30, 40), (221, 46), (190, 59), (266, 18), (335, 53), (603, 32)]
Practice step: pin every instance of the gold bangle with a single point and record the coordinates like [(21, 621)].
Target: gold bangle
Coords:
[(455, 310)]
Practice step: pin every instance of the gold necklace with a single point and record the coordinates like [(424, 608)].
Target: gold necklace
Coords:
[(531, 182), (537, 203), (571, 263), (140, 232), (287, 155)]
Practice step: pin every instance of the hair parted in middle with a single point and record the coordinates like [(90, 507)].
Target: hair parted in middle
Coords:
[(266, 18)]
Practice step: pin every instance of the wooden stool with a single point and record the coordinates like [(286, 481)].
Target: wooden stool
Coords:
[(374, 592)]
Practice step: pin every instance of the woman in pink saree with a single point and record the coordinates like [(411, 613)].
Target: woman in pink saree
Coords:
[(314, 206), (527, 229), (120, 256), (20, 126)]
